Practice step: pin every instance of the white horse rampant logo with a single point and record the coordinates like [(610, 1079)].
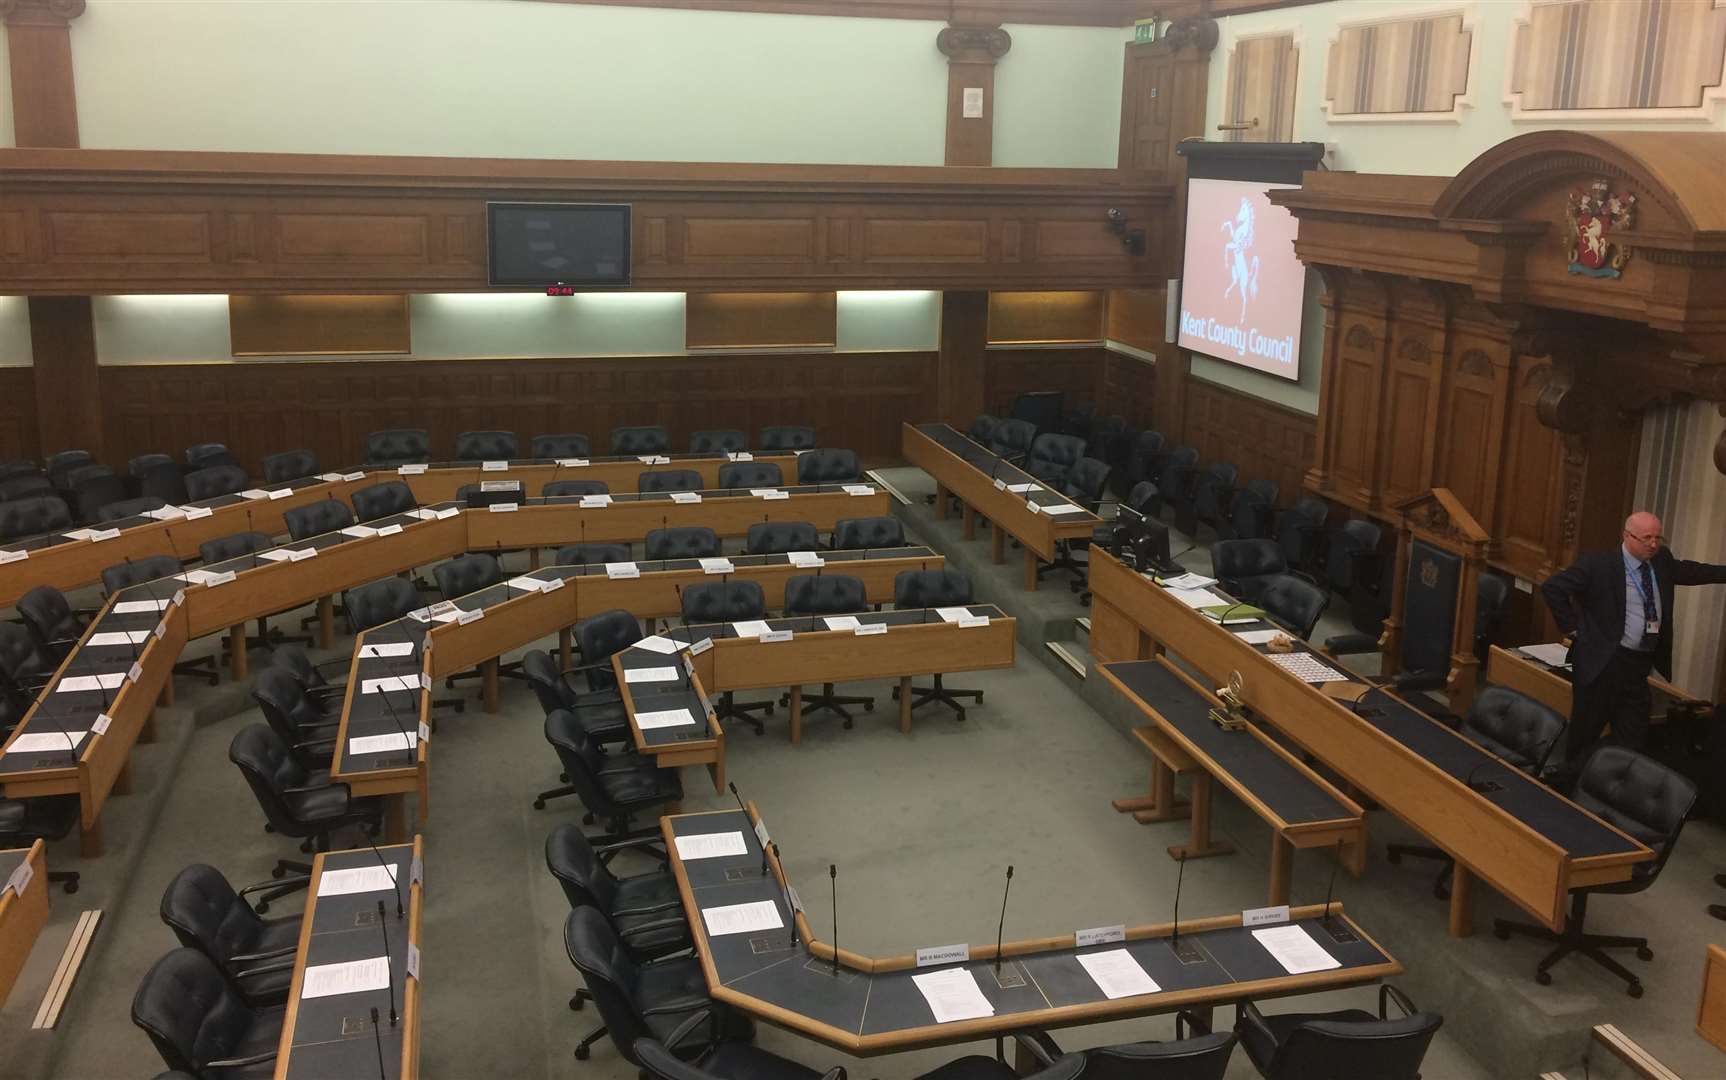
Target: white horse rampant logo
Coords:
[(1243, 274)]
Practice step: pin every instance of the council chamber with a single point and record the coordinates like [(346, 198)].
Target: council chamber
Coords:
[(622, 538)]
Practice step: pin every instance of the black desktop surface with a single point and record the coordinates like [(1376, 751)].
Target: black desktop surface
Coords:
[(994, 466)]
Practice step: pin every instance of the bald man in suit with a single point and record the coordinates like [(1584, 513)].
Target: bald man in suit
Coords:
[(1616, 606)]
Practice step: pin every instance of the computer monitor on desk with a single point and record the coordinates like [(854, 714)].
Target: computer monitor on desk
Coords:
[(1145, 540)]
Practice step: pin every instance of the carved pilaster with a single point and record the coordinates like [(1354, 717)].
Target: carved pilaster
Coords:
[(971, 53), (39, 51), (40, 12)]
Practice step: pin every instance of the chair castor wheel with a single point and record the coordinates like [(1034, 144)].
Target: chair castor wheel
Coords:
[(581, 1053), (868, 706), (263, 907), (277, 873), (979, 697), (847, 725), (1634, 990), (71, 887), (575, 1003), (961, 716), (1544, 978), (1644, 953), (539, 804)]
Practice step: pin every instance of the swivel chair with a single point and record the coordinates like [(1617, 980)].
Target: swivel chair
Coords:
[(215, 481), (718, 442), (667, 480), (199, 1025), (572, 445), (750, 474), (647, 439), (1345, 1043), (934, 589), (728, 602), (255, 956), (1293, 603), (780, 538), (829, 465), (785, 438), (485, 446), (290, 465), (398, 446), (828, 594)]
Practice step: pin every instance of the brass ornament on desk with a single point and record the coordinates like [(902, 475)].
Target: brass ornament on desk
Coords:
[(1232, 716)]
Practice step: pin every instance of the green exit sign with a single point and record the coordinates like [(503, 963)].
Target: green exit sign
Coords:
[(1145, 30)]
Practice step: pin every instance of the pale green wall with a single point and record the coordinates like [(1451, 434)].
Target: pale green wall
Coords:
[(15, 350), (7, 138), (194, 329), (502, 78)]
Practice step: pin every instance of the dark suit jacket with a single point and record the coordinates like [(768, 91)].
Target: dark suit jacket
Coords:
[(1587, 600)]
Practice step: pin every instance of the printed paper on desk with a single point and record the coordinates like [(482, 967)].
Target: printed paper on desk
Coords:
[(1057, 509), (276, 555), (446, 512), (1294, 948), (390, 530), (711, 846), (742, 918), (869, 628), (1554, 655), (685, 497), (73, 684), (411, 470), (572, 463), (1117, 974), (353, 977), (953, 614), (717, 566), (650, 674), (133, 607), (78, 534), (386, 648), (119, 637), (618, 571), (527, 584), (952, 995), (381, 744), (20, 878), (253, 493), (752, 628), (594, 502), (657, 644), (1256, 637), (193, 513), (46, 742), (1020, 489), (331, 477), (804, 559), (494, 466), (859, 489), (359, 532), (13, 556), (663, 718), (842, 622), (1197, 598), (165, 513), (1189, 581), (357, 880)]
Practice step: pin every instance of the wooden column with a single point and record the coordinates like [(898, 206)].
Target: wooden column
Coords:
[(39, 51), (971, 53), (68, 397), (959, 367)]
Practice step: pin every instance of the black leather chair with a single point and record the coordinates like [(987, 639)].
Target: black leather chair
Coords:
[(166, 481), (1293, 603), (932, 589), (290, 465), (827, 594), (315, 519), (1086, 483), (382, 500), (150, 569), (200, 1025), (659, 480), (590, 554), (1042, 408), (56, 624), (11, 468), (234, 546), (255, 956), (25, 668), (310, 674), (307, 724), (643, 910), (614, 788), (296, 801), (648, 439), (1051, 455), (208, 456), (829, 465), (1512, 725), (567, 488), (215, 481), (99, 487), (568, 445), (30, 485), (127, 508), (982, 429), (601, 713), (978, 1067), (1012, 440), (50, 817), (398, 446), (750, 474), (1641, 797), (33, 516), (64, 461), (1244, 567), (1351, 570), (1346, 1043), (139, 466), (1251, 511), (466, 574), (1212, 491), (1175, 476), (868, 533), (1300, 531), (1201, 1057), (379, 602), (726, 1061), (646, 1001), (728, 602), (780, 537), (682, 542), (785, 438), (719, 441), (485, 446)]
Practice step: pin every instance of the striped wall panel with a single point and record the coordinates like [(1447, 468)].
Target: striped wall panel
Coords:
[(1409, 66), (1619, 54), (1261, 89)]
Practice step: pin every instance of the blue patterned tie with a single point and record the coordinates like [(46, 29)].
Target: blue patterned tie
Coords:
[(1648, 610)]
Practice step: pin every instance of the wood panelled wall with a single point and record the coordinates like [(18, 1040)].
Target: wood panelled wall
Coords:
[(18, 438), (1265, 440)]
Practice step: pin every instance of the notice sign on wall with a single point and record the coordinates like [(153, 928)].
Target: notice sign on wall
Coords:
[(1242, 286)]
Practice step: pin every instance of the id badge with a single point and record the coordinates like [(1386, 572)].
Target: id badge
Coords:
[(1652, 628)]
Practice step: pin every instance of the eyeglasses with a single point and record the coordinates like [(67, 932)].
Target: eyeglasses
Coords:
[(1654, 538)]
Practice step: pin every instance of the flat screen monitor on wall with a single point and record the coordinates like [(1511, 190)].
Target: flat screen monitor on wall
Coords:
[(542, 244), (1241, 285)]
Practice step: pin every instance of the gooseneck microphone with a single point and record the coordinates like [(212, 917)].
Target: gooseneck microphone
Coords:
[(384, 931), (733, 786), (1175, 927), (785, 891), (499, 557), (1330, 888), (683, 616), (396, 720), (388, 869), (833, 880), (378, 1041), (999, 930)]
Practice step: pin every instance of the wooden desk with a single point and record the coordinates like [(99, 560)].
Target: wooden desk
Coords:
[(1526, 841), (441, 481), (700, 743), (21, 917), (332, 1036), (1711, 1010), (1301, 808), (917, 642), (629, 518), (960, 467), (872, 1007), (1552, 687)]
